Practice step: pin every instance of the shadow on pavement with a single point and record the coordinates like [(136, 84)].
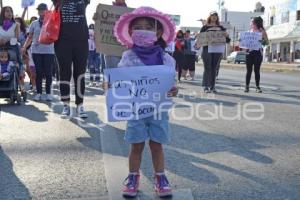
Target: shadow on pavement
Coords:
[(11, 187), (183, 155), (29, 112)]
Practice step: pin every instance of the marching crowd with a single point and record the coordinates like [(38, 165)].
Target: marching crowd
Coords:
[(146, 32)]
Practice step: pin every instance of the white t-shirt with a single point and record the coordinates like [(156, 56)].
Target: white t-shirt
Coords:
[(10, 33)]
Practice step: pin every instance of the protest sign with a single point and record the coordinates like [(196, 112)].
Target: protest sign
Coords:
[(176, 19), (27, 3), (211, 38), (106, 16), (170, 47), (138, 92), (250, 40)]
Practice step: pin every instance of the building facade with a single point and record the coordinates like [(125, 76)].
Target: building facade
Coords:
[(236, 22), (282, 22)]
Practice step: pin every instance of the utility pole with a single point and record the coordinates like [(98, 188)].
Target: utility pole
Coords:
[(1, 4), (220, 4), (233, 39)]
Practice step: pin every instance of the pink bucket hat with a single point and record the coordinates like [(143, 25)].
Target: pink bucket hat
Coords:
[(121, 29)]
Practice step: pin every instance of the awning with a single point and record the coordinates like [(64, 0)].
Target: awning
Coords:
[(284, 31)]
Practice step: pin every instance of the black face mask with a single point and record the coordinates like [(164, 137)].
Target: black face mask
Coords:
[(179, 36)]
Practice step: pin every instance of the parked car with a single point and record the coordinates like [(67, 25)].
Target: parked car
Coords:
[(237, 57)]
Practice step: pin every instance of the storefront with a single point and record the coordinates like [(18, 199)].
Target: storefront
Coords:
[(297, 52), (284, 43)]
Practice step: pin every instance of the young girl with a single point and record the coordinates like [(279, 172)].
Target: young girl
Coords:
[(140, 30), (255, 57), (5, 65)]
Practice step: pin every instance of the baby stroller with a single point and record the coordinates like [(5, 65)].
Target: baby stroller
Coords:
[(9, 88)]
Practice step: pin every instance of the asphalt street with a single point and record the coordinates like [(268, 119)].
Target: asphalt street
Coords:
[(228, 146)]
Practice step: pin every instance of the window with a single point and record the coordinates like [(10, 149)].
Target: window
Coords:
[(298, 15), (272, 21), (297, 51), (285, 17)]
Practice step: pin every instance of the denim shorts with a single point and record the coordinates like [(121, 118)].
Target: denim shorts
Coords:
[(155, 128)]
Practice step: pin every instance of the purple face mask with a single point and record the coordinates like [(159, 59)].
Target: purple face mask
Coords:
[(143, 38)]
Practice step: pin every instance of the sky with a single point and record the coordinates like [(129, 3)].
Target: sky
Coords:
[(190, 10)]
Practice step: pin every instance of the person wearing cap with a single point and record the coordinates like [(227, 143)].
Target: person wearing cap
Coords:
[(255, 56), (211, 57), (42, 55), (139, 30), (71, 50)]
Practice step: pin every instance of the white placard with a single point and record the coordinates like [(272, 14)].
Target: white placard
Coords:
[(218, 48), (250, 40), (27, 3), (138, 92)]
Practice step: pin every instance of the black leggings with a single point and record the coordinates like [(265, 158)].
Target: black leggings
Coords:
[(70, 52), (43, 66), (179, 58), (253, 58)]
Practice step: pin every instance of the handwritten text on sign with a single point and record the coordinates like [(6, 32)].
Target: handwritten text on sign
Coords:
[(138, 92), (250, 40), (211, 38), (106, 42), (27, 3)]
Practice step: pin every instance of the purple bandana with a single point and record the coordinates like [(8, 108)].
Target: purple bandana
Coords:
[(149, 55), (7, 24)]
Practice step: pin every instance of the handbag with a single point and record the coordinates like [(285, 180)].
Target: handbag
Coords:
[(51, 27)]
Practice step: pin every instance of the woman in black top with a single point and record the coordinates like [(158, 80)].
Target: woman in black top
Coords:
[(254, 57), (211, 60), (72, 48)]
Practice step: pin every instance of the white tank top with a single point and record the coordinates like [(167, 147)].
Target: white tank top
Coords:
[(10, 33)]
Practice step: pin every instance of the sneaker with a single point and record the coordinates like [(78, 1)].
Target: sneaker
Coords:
[(98, 84), (24, 95), (34, 89), (66, 111), (49, 97), (206, 90), (214, 90), (80, 112), (37, 97), (258, 90), (246, 89), (162, 186), (132, 185)]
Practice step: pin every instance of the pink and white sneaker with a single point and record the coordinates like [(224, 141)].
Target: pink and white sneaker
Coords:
[(132, 185), (162, 186)]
